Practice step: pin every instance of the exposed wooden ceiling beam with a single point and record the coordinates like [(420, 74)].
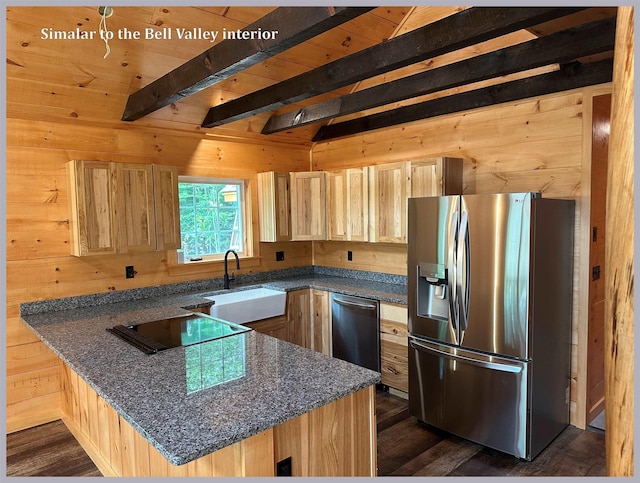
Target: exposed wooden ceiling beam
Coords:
[(562, 47), (294, 25), (457, 31), (569, 77)]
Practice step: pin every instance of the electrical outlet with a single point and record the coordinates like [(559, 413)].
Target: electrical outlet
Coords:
[(129, 271), (349, 255), (283, 468), (279, 256)]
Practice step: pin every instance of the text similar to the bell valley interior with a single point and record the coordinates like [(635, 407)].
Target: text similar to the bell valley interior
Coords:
[(164, 33)]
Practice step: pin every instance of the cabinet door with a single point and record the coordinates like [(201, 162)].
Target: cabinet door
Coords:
[(167, 207), (321, 321), (308, 205), (348, 204), (389, 188), (436, 177), (337, 196), (424, 178), (357, 204), (135, 208), (273, 206), (299, 315), (393, 346), (277, 327), (92, 224)]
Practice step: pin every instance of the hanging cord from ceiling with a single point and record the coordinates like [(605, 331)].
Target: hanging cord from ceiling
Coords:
[(105, 13)]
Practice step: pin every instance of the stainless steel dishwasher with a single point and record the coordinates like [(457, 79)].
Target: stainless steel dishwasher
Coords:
[(355, 327)]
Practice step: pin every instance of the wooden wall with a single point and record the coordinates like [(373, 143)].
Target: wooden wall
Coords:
[(39, 264), (620, 294), (531, 145)]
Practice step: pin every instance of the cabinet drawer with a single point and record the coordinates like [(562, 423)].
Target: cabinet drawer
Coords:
[(394, 365), (393, 346), (395, 332)]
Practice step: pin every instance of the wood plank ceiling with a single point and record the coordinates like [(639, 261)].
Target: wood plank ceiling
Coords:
[(379, 67)]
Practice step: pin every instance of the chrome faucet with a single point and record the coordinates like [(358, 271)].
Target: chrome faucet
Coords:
[(228, 279)]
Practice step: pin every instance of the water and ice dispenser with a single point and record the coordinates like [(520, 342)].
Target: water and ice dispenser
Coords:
[(433, 291)]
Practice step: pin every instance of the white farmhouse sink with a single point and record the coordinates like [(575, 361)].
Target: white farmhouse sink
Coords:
[(248, 305)]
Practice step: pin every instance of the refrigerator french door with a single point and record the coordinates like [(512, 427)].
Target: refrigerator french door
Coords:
[(490, 302)]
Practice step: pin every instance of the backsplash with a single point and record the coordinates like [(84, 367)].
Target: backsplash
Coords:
[(68, 303), (360, 274)]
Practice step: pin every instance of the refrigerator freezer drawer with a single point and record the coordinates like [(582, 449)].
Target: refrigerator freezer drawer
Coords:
[(477, 397)]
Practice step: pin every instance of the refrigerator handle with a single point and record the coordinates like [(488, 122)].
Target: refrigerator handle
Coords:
[(452, 278), (497, 366), (463, 271)]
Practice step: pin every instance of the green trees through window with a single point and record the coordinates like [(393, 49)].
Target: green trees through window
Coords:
[(210, 217)]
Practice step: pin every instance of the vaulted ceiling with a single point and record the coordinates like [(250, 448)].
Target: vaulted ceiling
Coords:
[(331, 72)]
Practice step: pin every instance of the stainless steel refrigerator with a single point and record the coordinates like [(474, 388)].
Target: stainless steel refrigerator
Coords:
[(490, 304)]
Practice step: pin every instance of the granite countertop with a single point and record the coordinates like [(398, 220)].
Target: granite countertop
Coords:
[(381, 291), (384, 292), (175, 398)]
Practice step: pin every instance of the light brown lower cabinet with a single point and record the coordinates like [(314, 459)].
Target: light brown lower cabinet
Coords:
[(299, 316), (277, 327), (393, 346), (337, 439), (321, 321)]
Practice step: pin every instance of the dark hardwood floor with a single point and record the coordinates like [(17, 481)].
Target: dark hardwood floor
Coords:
[(47, 450), (406, 447)]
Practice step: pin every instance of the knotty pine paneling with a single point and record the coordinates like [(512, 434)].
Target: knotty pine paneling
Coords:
[(530, 145), (371, 257), (39, 264), (33, 411), (71, 80), (30, 356)]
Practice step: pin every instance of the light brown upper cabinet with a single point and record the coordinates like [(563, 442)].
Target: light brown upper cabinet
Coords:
[(348, 204), (122, 207), (390, 185), (135, 208), (167, 206), (93, 223), (308, 205), (273, 206), (389, 188), (436, 177)]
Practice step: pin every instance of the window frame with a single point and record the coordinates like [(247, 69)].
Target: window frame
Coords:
[(245, 214)]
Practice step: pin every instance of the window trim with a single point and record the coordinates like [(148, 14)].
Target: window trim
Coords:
[(245, 214)]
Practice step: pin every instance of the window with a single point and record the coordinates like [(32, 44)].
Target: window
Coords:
[(211, 217)]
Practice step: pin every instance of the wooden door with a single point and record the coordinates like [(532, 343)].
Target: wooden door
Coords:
[(321, 321), (436, 177), (424, 179), (135, 207), (348, 204), (357, 204), (93, 227), (273, 206), (595, 346), (299, 315), (337, 204), (308, 205), (167, 207), (389, 187), (277, 327)]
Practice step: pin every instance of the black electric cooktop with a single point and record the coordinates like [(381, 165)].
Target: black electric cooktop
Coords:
[(182, 330)]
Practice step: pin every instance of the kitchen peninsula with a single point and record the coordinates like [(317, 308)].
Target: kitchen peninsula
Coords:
[(207, 410)]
